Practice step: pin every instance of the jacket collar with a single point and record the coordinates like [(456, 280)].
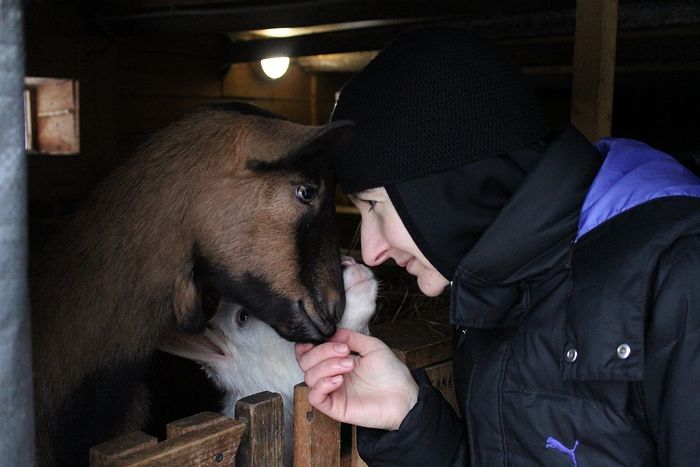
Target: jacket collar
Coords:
[(633, 173), (616, 254), (528, 239)]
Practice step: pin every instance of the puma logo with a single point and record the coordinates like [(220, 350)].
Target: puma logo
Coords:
[(552, 443)]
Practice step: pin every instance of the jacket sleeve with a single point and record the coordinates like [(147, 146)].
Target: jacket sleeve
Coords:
[(672, 363), (431, 434)]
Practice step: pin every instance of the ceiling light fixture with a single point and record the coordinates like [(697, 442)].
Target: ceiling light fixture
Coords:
[(275, 67)]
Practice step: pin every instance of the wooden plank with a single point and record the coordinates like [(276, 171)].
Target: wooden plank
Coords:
[(57, 134), (109, 452), (57, 110), (417, 343), (215, 444), (316, 436), (351, 40), (594, 67), (193, 423), (232, 16), (263, 443), (55, 95)]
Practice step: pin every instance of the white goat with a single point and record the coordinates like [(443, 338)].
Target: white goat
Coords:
[(245, 356)]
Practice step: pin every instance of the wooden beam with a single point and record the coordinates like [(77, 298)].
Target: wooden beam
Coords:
[(203, 439), (105, 454), (594, 67), (244, 16), (351, 40)]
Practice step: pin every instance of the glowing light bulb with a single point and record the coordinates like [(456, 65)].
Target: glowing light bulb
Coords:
[(275, 67), (277, 32)]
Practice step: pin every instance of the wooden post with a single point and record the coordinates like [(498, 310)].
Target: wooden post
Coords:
[(594, 67), (263, 443), (316, 436)]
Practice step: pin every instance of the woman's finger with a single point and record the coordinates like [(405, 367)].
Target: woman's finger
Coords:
[(301, 348), (322, 352), (357, 342), (319, 394), (328, 369)]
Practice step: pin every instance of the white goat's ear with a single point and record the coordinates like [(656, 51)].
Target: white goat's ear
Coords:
[(197, 347)]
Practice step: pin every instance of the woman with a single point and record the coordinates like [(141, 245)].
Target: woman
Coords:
[(572, 270)]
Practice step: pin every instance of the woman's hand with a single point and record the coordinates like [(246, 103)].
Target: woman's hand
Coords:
[(372, 389)]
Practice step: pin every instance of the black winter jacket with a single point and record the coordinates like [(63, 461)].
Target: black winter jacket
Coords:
[(571, 351)]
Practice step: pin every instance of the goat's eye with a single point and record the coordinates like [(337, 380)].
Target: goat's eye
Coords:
[(242, 318), (306, 194)]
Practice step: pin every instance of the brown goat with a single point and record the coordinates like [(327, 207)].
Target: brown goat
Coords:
[(232, 197)]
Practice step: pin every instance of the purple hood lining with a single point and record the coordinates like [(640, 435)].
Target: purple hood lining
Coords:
[(632, 174)]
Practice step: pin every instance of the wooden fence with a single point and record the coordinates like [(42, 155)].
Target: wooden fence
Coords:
[(255, 438)]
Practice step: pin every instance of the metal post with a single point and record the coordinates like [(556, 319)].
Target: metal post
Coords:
[(16, 394)]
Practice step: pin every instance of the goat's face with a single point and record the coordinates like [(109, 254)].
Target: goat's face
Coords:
[(243, 355), (266, 235)]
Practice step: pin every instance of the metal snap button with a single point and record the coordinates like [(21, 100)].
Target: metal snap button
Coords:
[(623, 351), (571, 355)]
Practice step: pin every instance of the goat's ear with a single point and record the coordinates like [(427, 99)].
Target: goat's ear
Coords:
[(187, 306), (195, 347), (316, 152), (330, 139)]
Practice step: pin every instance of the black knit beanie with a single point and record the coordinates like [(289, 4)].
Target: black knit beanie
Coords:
[(434, 98)]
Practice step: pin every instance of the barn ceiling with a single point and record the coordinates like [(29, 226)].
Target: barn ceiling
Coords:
[(341, 35)]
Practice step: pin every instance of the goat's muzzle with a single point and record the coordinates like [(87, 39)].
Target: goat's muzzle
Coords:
[(321, 321)]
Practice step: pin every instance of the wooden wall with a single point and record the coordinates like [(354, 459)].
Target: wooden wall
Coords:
[(131, 87)]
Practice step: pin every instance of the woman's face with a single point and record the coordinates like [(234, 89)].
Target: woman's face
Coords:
[(384, 236)]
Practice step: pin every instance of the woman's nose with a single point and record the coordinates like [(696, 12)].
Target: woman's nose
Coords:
[(374, 246)]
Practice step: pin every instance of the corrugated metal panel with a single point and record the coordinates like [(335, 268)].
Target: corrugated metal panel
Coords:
[(16, 410)]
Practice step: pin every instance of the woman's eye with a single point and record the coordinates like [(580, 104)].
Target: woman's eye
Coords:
[(306, 194), (242, 318)]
